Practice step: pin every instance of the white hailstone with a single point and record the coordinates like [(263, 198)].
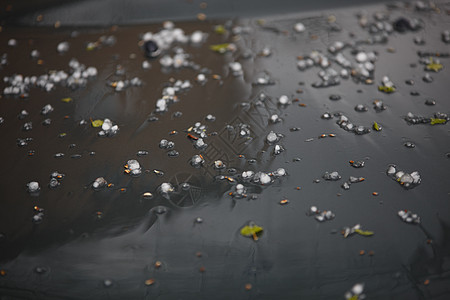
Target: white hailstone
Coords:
[(91, 71), (280, 172), (299, 27), (264, 178), (161, 105), (146, 65), (35, 54), (283, 100), (196, 37), (272, 137), (33, 186), (358, 288), (166, 61), (166, 188), (361, 57), (247, 174), (107, 124), (236, 67), (62, 47), (201, 78), (168, 25), (274, 118)]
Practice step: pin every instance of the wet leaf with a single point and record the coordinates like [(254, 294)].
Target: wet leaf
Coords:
[(220, 29), (435, 121), (251, 230), (376, 126), (432, 66), (67, 100), (386, 89), (220, 48), (364, 232), (96, 123)]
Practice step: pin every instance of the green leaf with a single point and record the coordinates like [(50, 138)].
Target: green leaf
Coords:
[(437, 121), (354, 297), (364, 233)]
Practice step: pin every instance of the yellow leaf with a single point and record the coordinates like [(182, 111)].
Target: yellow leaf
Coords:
[(433, 66), (97, 123), (435, 121), (220, 29), (221, 48), (364, 233), (67, 100), (251, 230), (386, 89)]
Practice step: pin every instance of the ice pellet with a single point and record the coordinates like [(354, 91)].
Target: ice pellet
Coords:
[(166, 188), (406, 180), (272, 137), (46, 109), (33, 187), (264, 178), (35, 53), (299, 27), (409, 145), (280, 172), (446, 36), (173, 153), (357, 164), (361, 57), (22, 114), (12, 42), (408, 216), (236, 68), (430, 102), (274, 118), (62, 47), (197, 161), (27, 126), (333, 176), (54, 183), (201, 78), (210, 118), (283, 100), (378, 105), (197, 37), (427, 78), (246, 175), (278, 149), (219, 165), (133, 167), (99, 183), (320, 216), (142, 153), (361, 108)]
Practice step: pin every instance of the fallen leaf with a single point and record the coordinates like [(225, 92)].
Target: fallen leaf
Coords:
[(437, 121), (97, 123), (364, 232), (251, 230)]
